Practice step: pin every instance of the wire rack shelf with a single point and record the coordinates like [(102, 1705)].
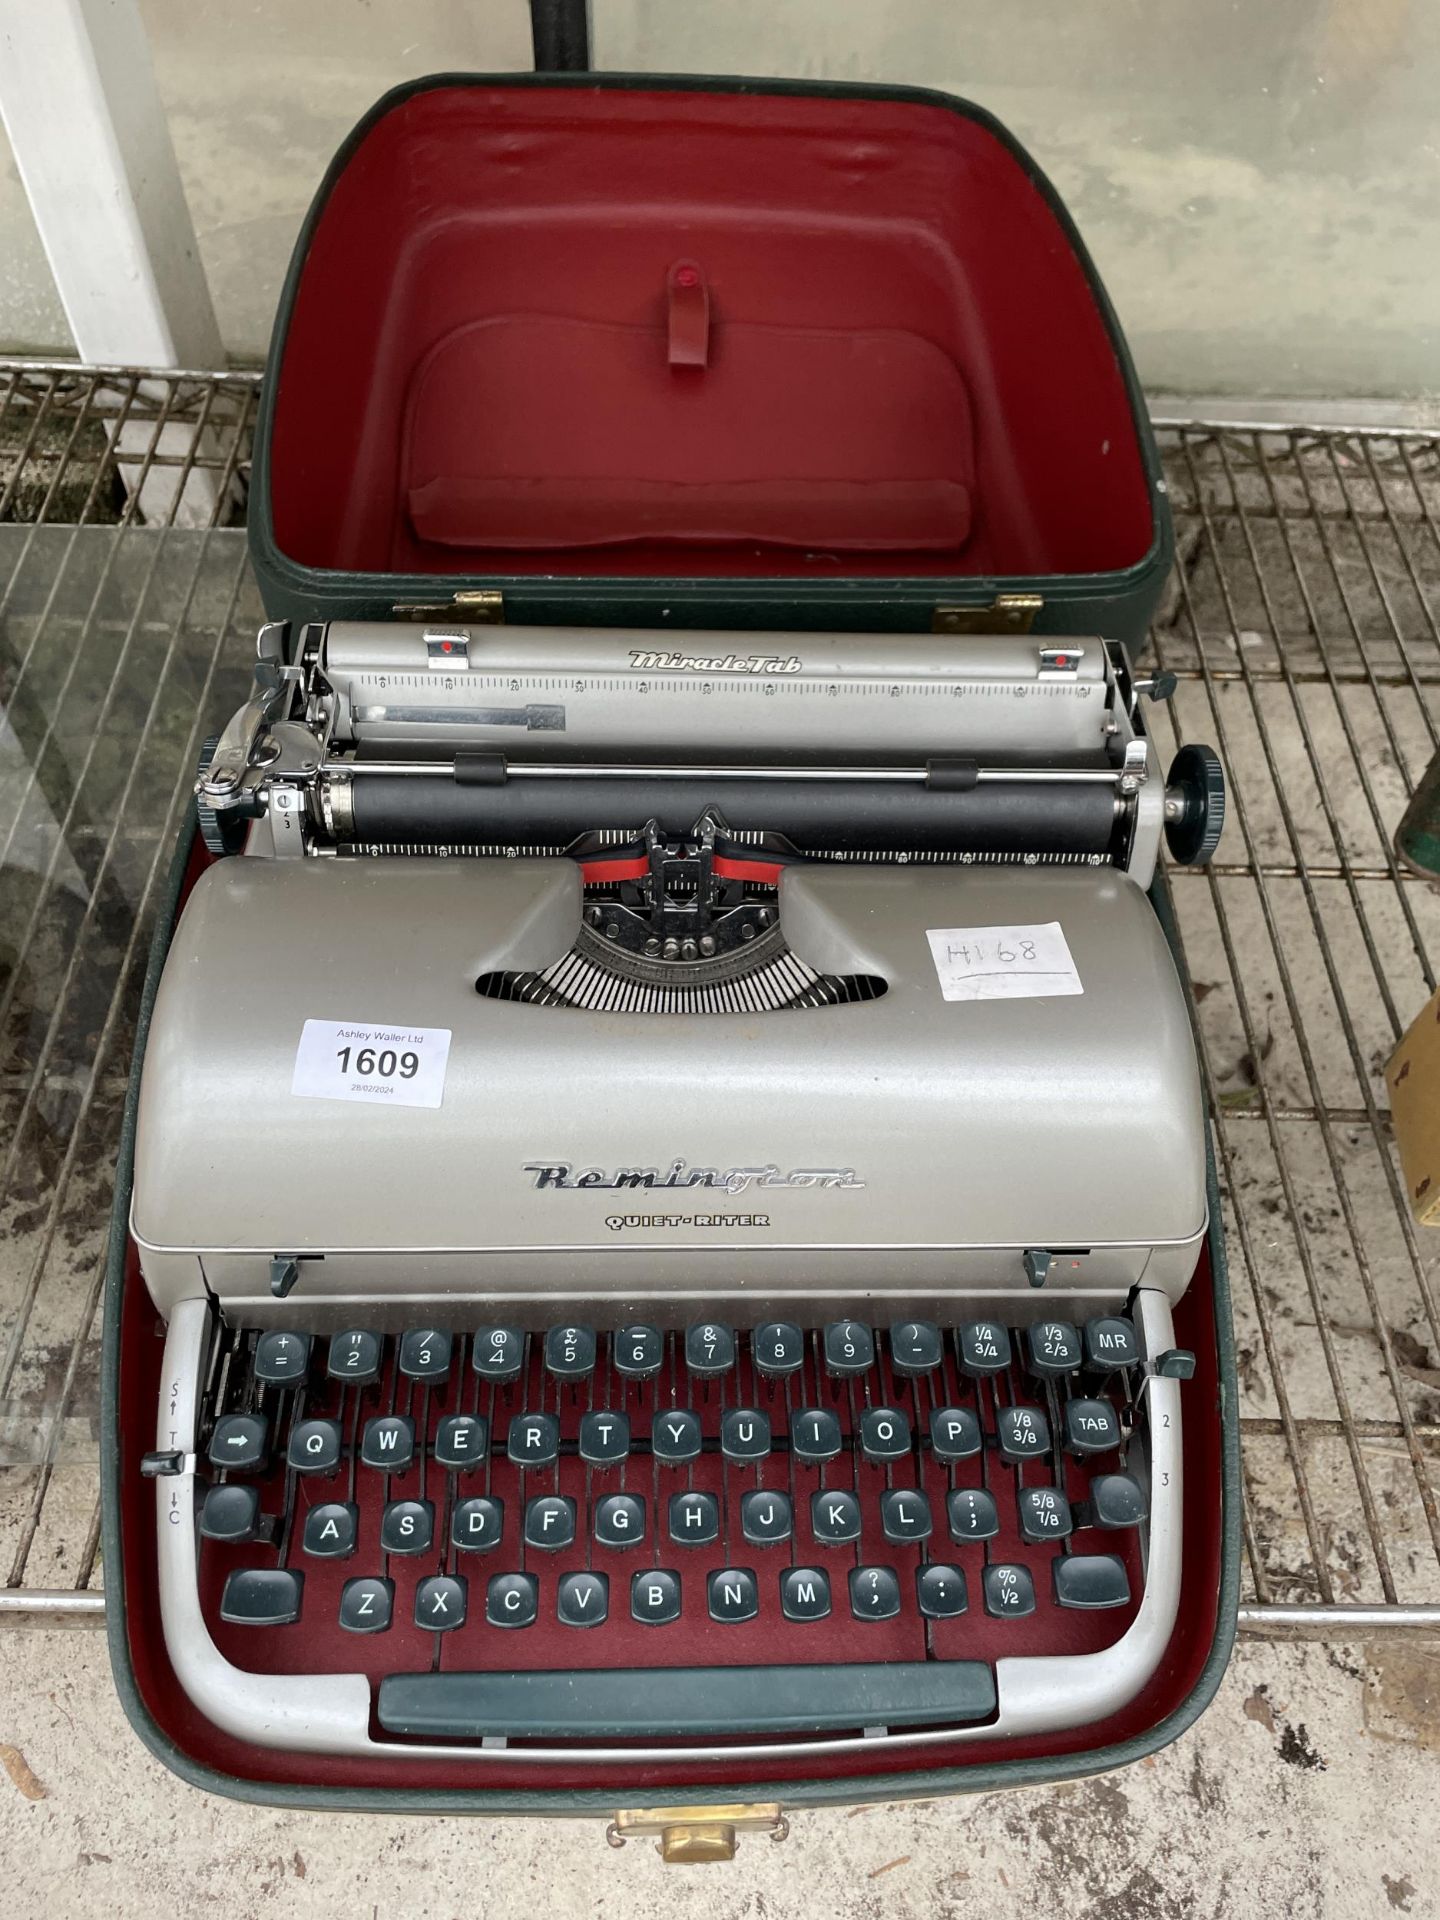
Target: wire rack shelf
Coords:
[(1301, 621)]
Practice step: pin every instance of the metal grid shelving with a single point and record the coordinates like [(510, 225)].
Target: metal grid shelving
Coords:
[(1302, 623), (1302, 620)]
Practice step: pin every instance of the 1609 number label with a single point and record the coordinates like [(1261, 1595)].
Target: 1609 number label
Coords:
[(387, 1063), (384, 1065)]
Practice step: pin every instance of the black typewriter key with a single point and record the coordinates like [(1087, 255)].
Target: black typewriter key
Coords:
[(1023, 1433), (805, 1593), (315, 1446), (905, 1514), (512, 1600), (366, 1604), (353, 1355), (984, 1348), (425, 1353), (849, 1348), (1110, 1343), (1044, 1514), (884, 1434), (604, 1438), (498, 1353), (1054, 1348), (570, 1352), (533, 1440), (766, 1518), (814, 1434), (744, 1434), (281, 1358), (1116, 1500), (462, 1441), (694, 1519), (1091, 1580), (407, 1526), (1091, 1426), (874, 1593), (675, 1436), (550, 1522), (388, 1442), (230, 1513), (620, 1520), (637, 1352), (655, 1597), (940, 1591), (971, 1514), (262, 1597), (915, 1346), (1009, 1591), (240, 1441), (778, 1348), (582, 1599), (835, 1518), (709, 1349), (477, 1524), (733, 1595), (331, 1530), (440, 1602), (955, 1433)]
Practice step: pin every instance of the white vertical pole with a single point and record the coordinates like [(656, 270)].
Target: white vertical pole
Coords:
[(80, 104), (91, 141)]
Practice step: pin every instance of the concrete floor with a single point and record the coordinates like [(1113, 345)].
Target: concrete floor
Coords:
[(1307, 1791)]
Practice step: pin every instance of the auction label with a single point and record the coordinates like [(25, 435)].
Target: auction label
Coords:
[(1003, 963), (394, 1066)]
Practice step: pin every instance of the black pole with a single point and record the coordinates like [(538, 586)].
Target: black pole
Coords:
[(560, 31)]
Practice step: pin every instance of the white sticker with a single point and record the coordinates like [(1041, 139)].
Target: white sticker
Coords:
[(1003, 963), (396, 1066)]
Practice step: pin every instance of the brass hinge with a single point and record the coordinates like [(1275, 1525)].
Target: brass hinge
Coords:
[(478, 606), (689, 1835), (1007, 613)]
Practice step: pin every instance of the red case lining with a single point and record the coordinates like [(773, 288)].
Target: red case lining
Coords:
[(492, 358)]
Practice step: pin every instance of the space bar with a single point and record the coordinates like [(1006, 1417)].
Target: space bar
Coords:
[(625, 1703)]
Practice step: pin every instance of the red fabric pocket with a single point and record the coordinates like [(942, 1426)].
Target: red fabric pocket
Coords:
[(530, 430)]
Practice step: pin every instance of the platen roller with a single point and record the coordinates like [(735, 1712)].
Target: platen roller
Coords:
[(867, 816)]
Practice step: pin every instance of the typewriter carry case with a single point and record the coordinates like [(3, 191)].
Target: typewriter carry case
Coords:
[(597, 352), (699, 353)]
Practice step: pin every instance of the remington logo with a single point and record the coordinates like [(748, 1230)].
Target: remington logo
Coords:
[(562, 1177), (716, 663)]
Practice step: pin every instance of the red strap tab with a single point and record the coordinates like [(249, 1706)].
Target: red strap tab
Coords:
[(689, 315)]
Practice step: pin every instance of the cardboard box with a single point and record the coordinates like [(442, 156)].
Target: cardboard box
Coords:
[(1413, 1077)]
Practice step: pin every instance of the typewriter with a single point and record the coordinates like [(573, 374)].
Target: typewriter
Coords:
[(668, 1165)]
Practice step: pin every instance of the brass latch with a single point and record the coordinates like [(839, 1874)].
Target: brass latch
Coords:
[(1006, 613), (479, 606), (687, 1835)]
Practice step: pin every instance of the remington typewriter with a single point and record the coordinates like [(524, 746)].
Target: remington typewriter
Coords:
[(672, 1170)]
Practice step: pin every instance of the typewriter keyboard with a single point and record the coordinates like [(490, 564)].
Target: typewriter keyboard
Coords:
[(514, 1533)]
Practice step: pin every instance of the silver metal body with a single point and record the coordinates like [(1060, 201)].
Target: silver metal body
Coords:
[(944, 1139)]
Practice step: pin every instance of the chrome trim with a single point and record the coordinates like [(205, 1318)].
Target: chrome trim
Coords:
[(330, 1713)]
